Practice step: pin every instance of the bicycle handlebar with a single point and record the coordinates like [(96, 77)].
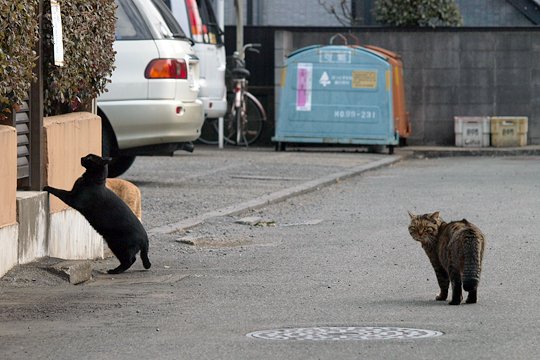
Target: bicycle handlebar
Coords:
[(251, 47)]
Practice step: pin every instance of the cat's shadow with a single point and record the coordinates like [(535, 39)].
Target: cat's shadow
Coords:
[(104, 273), (408, 302)]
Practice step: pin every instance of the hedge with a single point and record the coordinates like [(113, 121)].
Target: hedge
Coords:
[(418, 12), (18, 35), (88, 36)]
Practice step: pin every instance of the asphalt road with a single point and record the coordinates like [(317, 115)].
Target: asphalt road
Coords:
[(338, 256)]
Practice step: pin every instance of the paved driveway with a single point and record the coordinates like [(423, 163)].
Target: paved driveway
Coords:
[(339, 256)]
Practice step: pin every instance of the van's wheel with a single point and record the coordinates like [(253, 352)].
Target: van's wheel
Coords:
[(118, 164)]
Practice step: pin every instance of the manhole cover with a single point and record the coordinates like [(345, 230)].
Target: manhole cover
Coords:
[(344, 333)]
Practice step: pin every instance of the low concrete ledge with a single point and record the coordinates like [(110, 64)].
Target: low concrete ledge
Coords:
[(9, 242), (71, 237), (74, 271), (33, 219)]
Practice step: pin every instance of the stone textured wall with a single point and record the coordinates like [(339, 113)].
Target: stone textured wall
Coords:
[(451, 72)]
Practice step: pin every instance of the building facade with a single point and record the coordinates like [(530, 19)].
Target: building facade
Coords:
[(310, 13)]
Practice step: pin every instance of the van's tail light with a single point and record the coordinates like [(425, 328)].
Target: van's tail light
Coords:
[(166, 69), (195, 20)]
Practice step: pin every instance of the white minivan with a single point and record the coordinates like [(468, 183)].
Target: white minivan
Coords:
[(151, 106), (198, 20)]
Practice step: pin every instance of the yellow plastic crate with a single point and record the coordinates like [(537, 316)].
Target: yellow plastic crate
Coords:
[(509, 131)]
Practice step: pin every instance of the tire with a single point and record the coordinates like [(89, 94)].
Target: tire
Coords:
[(256, 118), (210, 128), (209, 132), (118, 164)]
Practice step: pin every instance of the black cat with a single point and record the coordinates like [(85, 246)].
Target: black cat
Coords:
[(107, 213)]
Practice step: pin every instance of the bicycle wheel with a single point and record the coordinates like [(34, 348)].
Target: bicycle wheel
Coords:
[(210, 128), (209, 132), (252, 121)]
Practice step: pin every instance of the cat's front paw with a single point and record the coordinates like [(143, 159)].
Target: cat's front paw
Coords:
[(454, 302)]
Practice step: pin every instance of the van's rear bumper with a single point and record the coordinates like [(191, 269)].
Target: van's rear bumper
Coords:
[(139, 123), (213, 107)]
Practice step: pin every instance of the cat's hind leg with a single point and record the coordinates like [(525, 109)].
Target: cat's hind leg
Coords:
[(455, 279), (471, 298), (125, 263)]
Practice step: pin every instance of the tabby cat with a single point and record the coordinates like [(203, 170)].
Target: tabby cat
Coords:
[(128, 192), (455, 250), (107, 213)]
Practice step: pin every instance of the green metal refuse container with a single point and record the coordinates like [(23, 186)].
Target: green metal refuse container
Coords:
[(336, 95)]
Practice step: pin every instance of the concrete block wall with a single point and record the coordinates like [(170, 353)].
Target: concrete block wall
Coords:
[(34, 224), (33, 220), (453, 72), (284, 13), (8, 188), (8, 174), (68, 138)]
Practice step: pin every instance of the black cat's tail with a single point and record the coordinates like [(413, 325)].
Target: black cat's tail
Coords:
[(472, 256), (144, 257)]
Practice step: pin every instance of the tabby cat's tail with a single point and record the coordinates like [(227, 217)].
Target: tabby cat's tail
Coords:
[(472, 253), (144, 257)]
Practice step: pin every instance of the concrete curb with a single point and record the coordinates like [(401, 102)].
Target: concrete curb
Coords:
[(449, 151), (274, 197)]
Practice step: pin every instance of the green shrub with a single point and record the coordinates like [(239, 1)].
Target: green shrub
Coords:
[(18, 35), (418, 12), (88, 35)]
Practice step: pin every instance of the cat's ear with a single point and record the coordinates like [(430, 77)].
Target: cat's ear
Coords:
[(105, 160), (411, 214), (435, 215)]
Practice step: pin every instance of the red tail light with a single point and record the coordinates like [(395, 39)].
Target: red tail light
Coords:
[(195, 20), (166, 69)]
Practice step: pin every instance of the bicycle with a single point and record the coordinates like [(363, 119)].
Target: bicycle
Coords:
[(244, 121)]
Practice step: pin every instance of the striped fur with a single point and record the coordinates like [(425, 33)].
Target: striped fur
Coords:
[(455, 250)]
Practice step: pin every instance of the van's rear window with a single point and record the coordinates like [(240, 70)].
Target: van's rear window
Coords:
[(129, 23)]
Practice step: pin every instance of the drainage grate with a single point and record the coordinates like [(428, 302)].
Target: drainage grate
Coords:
[(344, 333)]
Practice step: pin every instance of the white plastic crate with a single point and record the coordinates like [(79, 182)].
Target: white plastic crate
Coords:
[(472, 131)]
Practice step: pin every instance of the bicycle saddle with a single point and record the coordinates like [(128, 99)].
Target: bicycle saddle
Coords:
[(241, 73)]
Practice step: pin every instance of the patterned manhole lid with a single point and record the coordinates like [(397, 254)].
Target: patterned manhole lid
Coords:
[(344, 333)]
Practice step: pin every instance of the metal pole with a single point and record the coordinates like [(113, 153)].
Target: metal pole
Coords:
[(221, 23), (36, 116), (239, 27), (220, 132), (220, 10)]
